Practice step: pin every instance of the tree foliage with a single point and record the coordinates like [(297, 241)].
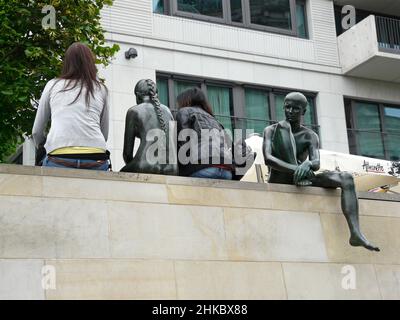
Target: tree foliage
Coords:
[(31, 55)]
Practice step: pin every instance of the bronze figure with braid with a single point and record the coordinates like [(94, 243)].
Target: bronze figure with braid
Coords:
[(149, 122)]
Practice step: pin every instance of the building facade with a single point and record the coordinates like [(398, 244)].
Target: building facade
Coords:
[(248, 54)]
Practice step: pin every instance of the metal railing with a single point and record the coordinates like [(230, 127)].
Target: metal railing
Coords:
[(388, 32), (257, 125)]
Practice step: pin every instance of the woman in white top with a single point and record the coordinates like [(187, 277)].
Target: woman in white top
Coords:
[(77, 104)]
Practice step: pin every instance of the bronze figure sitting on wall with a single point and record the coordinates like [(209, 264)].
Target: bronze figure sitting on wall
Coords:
[(149, 121), (291, 151)]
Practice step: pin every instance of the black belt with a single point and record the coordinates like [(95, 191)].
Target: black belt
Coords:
[(82, 156)]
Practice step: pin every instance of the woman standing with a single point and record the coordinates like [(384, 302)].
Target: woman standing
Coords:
[(206, 153), (77, 104)]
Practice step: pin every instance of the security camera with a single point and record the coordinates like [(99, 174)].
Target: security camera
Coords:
[(131, 53)]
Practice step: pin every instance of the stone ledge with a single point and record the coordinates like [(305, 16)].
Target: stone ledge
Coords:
[(174, 180), (112, 235), (180, 279)]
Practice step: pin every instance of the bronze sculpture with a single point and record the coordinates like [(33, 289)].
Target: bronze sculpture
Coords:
[(150, 121), (291, 151)]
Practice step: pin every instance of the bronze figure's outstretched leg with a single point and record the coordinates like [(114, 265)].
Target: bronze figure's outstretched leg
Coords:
[(345, 181)]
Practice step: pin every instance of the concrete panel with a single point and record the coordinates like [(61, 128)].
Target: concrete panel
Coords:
[(21, 280), (261, 235), (389, 281), (153, 231), (313, 281), (381, 231), (229, 280), (20, 185), (113, 280)]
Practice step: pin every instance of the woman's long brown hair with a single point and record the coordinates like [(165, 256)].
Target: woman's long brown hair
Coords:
[(79, 68), (194, 97)]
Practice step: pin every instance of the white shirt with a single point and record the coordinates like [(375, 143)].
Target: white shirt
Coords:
[(72, 125)]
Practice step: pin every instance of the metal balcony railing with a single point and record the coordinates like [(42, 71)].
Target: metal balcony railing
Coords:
[(388, 32), (257, 125)]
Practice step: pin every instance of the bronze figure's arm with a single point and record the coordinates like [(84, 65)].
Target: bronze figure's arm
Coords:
[(308, 167), (270, 160), (130, 134)]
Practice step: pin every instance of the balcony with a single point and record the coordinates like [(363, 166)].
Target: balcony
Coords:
[(371, 49)]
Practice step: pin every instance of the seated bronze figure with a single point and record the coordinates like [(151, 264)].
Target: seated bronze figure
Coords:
[(291, 151), (150, 122)]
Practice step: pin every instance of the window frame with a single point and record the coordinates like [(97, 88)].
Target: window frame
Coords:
[(176, 12), (352, 132), (307, 27), (238, 108), (293, 19), (171, 8)]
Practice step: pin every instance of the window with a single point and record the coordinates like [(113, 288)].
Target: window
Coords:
[(219, 96), (235, 106), (220, 99), (158, 6), (162, 86), (392, 123), (373, 129), (281, 16), (180, 86), (275, 13), (210, 8), (301, 17), (236, 11), (257, 109)]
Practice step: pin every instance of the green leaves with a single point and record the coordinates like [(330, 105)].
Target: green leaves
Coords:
[(31, 56)]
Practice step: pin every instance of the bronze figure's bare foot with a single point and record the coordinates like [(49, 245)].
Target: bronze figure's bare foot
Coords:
[(359, 240)]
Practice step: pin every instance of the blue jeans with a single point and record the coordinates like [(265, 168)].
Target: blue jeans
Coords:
[(76, 164), (213, 173)]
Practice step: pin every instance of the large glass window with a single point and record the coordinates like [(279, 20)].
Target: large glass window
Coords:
[(158, 6), (220, 99), (392, 138), (211, 8), (162, 86), (271, 13), (181, 86), (257, 110), (374, 129), (236, 11), (281, 16), (301, 18), (369, 141), (251, 107)]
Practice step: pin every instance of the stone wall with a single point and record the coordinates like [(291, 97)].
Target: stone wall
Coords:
[(128, 236)]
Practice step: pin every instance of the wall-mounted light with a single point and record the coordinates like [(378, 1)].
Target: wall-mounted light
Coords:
[(131, 53)]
